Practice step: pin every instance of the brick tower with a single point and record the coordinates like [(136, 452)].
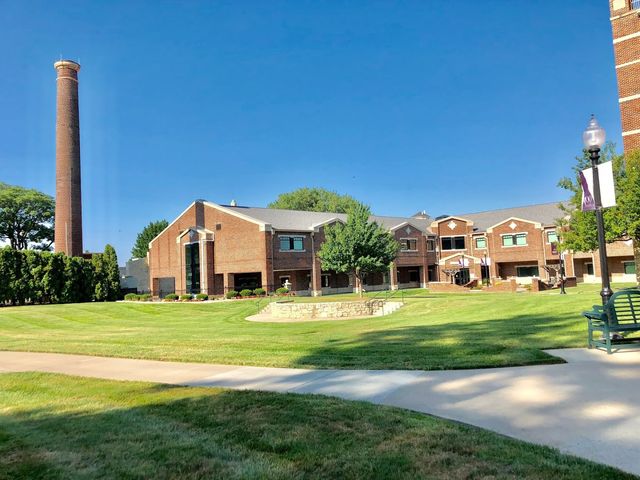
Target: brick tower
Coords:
[(625, 23), (68, 216)]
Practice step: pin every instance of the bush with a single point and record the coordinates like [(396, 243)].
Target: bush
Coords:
[(259, 292), (145, 297), (202, 297), (282, 291), (131, 297), (186, 297), (231, 294), (171, 297), (246, 292)]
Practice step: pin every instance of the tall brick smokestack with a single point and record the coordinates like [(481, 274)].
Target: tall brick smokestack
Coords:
[(68, 219)]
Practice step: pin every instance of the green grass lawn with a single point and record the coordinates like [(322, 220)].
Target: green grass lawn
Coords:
[(440, 331), (61, 427)]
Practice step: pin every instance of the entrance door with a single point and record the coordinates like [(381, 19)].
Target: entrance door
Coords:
[(463, 276)]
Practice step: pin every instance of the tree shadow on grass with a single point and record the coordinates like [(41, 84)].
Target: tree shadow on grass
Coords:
[(511, 341), (83, 428)]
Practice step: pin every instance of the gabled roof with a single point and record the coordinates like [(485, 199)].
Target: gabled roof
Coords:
[(297, 220), (545, 213)]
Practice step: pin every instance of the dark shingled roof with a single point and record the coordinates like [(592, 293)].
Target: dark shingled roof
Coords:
[(544, 213), (298, 220)]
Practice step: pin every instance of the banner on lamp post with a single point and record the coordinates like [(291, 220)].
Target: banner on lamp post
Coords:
[(607, 187)]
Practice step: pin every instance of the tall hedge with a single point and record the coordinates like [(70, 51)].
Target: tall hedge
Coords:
[(30, 276)]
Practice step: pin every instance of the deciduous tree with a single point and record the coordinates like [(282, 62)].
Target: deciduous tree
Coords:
[(578, 228), (26, 217), (358, 247), (314, 200)]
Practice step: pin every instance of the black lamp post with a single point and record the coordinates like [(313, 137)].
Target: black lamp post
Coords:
[(593, 138), (562, 272)]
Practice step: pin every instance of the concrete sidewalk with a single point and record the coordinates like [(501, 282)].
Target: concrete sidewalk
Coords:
[(588, 407)]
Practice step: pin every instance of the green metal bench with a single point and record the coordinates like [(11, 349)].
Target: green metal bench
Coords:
[(620, 315)]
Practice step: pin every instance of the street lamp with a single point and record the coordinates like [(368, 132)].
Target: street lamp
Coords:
[(562, 272), (593, 138)]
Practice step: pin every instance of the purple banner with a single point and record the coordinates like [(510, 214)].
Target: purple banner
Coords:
[(588, 202)]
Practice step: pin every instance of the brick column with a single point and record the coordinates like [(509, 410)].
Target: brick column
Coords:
[(228, 280), (316, 270), (424, 277), (393, 277)]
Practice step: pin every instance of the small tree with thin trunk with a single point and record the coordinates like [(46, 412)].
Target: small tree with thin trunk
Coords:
[(358, 247)]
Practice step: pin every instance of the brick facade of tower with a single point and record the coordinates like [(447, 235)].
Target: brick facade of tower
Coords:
[(68, 215), (625, 24)]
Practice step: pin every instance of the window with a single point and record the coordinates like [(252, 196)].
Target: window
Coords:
[(431, 245), (527, 271), (291, 243), (452, 243), (516, 240), (408, 244), (552, 237), (635, 4), (192, 267), (629, 268), (481, 242), (589, 267)]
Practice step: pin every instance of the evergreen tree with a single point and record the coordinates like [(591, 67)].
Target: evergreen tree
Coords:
[(100, 290), (53, 280), (358, 247), (148, 233), (36, 263), (73, 273), (112, 273)]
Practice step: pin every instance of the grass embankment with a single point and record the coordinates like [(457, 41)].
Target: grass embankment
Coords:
[(440, 331), (55, 427)]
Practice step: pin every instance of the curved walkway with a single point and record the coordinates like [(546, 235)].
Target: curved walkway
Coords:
[(588, 407)]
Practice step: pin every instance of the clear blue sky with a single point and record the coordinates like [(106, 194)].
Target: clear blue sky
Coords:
[(446, 106)]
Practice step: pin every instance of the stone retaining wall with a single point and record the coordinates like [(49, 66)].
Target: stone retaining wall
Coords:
[(446, 287), (326, 309)]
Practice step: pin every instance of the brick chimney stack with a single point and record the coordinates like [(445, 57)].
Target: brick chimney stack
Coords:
[(625, 25), (68, 216)]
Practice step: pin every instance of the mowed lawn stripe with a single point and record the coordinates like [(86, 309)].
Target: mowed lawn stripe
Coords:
[(430, 332)]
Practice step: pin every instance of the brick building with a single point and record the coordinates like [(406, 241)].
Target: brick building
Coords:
[(625, 25), (518, 243), (215, 248)]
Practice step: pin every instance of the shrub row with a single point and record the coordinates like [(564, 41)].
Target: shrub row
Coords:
[(172, 297), (258, 292), (134, 297), (32, 276)]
